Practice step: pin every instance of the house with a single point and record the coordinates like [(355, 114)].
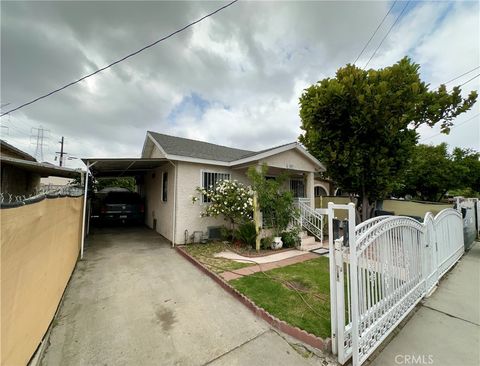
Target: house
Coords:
[(21, 173), (188, 164)]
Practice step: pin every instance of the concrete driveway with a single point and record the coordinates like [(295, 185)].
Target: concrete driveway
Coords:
[(134, 301)]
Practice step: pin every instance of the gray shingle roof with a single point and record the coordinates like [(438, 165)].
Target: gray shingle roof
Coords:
[(199, 149)]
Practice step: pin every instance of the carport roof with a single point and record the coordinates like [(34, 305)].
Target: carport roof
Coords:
[(116, 167)]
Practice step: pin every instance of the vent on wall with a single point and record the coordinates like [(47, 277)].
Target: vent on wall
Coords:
[(214, 232)]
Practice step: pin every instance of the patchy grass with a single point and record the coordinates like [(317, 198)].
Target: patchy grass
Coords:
[(205, 254), (278, 293)]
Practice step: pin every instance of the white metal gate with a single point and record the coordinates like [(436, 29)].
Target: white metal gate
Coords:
[(391, 263)]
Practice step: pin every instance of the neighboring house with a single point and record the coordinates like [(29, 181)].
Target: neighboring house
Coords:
[(190, 164), (21, 173)]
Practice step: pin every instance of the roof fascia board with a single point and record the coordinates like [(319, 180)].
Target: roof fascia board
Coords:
[(197, 160)]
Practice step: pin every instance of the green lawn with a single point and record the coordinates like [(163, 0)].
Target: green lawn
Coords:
[(205, 254), (276, 295)]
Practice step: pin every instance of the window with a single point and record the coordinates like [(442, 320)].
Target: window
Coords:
[(297, 186), (320, 191), (164, 186), (210, 180)]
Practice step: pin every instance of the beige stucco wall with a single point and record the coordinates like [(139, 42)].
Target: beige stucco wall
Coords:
[(155, 208), (291, 159), (39, 248), (188, 214)]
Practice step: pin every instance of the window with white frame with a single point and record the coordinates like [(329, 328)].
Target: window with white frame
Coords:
[(210, 180), (297, 187)]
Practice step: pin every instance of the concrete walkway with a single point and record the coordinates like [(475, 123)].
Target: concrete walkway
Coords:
[(135, 301), (445, 331), (228, 276), (260, 259)]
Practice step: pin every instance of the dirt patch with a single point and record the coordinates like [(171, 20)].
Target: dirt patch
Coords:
[(297, 285)]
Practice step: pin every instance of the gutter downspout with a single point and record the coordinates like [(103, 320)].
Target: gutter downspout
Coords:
[(174, 221)]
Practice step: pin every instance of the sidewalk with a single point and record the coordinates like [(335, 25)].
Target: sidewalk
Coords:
[(445, 331)]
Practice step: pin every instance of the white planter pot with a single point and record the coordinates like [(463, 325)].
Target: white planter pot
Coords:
[(277, 243)]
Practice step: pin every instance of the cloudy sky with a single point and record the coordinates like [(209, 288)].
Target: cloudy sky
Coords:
[(233, 79)]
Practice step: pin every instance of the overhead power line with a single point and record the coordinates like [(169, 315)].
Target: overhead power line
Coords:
[(376, 30), (121, 59), (459, 76), (466, 82), (386, 35), (460, 124)]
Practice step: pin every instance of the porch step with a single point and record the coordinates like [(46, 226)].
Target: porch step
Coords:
[(309, 243)]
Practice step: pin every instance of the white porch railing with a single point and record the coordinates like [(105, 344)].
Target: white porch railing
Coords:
[(308, 218), (391, 263)]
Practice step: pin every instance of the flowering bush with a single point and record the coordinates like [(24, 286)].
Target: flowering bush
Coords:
[(231, 199)]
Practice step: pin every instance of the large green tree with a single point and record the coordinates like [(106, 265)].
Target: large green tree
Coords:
[(362, 124), (429, 175), (433, 172)]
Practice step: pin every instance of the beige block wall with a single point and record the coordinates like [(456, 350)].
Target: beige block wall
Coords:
[(291, 159), (411, 208), (40, 244), (188, 214), (155, 208)]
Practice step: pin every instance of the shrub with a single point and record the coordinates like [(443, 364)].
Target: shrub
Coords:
[(290, 238), (266, 243), (231, 199), (247, 233), (226, 233), (275, 203)]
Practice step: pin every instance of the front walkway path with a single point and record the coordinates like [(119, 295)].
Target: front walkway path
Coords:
[(445, 331), (228, 276), (135, 301)]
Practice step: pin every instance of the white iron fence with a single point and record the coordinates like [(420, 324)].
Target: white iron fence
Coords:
[(382, 271)]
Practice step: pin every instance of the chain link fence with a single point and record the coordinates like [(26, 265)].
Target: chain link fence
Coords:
[(8, 200)]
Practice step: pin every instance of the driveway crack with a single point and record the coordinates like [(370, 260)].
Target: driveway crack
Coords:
[(236, 347)]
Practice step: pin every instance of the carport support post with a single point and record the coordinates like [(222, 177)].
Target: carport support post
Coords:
[(85, 197)]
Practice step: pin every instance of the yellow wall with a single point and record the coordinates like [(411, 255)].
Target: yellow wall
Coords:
[(40, 243), (411, 208)]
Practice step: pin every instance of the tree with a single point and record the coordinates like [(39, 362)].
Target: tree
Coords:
[(432, 172), (275, 203), (467, 169), (362, 124)]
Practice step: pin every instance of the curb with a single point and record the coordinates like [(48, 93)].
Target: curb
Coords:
[(297, 333)]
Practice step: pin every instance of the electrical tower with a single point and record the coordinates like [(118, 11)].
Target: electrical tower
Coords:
[(38, 135)]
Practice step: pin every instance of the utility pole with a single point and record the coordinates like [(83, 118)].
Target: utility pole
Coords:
[(61, 151)]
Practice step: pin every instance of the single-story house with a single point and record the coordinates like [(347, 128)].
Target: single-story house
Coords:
[(188, 164)]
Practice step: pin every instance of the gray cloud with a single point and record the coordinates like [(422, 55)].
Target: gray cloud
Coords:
[(249, 64)]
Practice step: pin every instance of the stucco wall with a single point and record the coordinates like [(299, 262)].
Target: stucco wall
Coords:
[(188, 214), (291, 159), (155, 208), (39, 248)]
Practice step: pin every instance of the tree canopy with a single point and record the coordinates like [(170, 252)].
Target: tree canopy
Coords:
[(362, 124), (433, 172)]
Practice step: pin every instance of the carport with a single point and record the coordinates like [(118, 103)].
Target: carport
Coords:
[(115, 168)]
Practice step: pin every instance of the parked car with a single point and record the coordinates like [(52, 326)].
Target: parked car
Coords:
[(118, 205)]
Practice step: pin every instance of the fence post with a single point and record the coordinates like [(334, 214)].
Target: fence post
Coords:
[(353, 284), (340, 294), (333, 295)]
